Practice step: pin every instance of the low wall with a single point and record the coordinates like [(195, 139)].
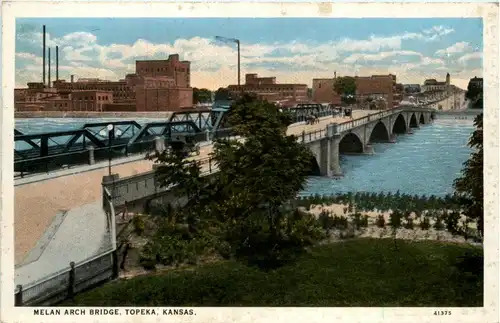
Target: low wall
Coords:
[(91, 114)]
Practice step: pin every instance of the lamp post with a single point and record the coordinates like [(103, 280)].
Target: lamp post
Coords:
[(232, 40), (111, 134)]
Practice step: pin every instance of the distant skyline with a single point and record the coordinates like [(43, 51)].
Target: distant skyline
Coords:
[(295, 50)]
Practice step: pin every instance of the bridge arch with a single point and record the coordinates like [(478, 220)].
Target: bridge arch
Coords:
[(315, 169), (413, 121), (350, 143), (421, 119), (379, 133), (399, 125)]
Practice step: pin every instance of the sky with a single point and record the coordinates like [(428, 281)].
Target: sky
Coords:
[(295, 50)]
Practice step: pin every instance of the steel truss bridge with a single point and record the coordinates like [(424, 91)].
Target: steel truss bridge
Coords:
[(43, 152)]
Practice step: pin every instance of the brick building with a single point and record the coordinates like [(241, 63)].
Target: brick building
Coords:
[(375, 86), (157, 85), (266, 87)]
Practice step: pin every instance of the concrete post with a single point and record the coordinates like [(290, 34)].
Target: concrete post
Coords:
[(18, 297), (159, 145), (335, 156), (91, 155), (72, 279), (108, 181), (207, 132)]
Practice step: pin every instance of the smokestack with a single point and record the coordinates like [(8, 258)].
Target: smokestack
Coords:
[(335, 74), (72, 77), (43, 56), (57, 63), (49, 68)]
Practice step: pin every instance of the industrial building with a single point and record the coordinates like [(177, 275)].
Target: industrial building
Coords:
[(156, 85), (267, 88), (375, 87)]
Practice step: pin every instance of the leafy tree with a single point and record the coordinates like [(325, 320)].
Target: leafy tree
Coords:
[(258, 176), (345, 86), (201, 95), (469, 187), (222, 94), (475, 95)]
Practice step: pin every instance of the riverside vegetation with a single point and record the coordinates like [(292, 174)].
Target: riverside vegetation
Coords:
[(270, 249)]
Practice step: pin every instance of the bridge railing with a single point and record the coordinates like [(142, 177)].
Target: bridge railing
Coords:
[(347, 125), (68, 281), (89, 156)]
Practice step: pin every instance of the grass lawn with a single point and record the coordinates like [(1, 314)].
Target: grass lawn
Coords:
[(360, 272)]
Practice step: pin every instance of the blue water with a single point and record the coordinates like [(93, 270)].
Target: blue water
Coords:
[(39, 125), (425, 162)]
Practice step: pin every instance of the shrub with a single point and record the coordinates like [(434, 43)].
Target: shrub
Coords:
[(340, 222), (326, 221), (408, 223), (380, 222), (395, 219), (139, 224), (438, 225), (147, 257), (425, 224), (451, 221), (358, 220)]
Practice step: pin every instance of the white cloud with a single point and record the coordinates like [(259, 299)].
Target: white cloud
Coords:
[(437, 31), (213, 64), (457, 48), (470, 56), (360, 57)]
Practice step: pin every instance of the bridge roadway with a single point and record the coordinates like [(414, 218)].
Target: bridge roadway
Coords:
[(39, 198)]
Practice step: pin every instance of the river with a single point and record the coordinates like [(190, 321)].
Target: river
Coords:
[(425, 162)]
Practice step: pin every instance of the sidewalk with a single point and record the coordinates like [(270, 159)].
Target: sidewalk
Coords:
[(81, 235)]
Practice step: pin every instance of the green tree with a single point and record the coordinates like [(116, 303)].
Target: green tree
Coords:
[(469, 187), (345, 86), (222, 94), (201, 95), (309, 93), (259, 176), (475, 95)]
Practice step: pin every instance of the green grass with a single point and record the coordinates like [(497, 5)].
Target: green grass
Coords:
[(360, 272)]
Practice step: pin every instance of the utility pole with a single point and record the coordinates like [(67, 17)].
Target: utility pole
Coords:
[(232, 40)]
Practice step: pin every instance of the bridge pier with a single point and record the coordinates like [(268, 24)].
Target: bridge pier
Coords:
[(368, 149), (392, 138), (333, 165)]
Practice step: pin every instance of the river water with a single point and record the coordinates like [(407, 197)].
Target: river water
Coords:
[(425, 162)]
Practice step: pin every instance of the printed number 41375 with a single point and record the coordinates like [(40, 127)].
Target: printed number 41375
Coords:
[(442, 312)]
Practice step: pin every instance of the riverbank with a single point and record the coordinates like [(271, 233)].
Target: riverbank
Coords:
[(93, 114)]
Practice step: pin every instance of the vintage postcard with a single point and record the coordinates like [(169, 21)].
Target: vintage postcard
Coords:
[(237, 162)]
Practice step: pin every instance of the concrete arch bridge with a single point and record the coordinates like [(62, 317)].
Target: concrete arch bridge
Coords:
[(356, 136)]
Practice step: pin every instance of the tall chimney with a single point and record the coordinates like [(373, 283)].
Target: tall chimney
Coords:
[(57, 63), (72, 77), (43, 56), (335, 74), (49, 68)]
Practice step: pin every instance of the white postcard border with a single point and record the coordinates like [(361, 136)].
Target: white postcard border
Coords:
[(489, 13)]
